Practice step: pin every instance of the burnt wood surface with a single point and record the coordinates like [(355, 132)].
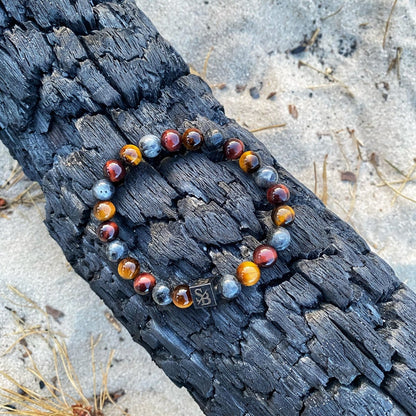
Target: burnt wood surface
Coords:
[(329, 330)]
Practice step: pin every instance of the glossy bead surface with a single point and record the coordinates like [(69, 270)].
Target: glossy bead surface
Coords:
[(265, 256), (103, 190), (181, 297), (283, 215), (229, 287), (171, 140), (266, 176), (249, 162), (278, 194), (107, 231), (233, 149), (131, 154), (161, 294), (214, 139), (280, 239), (150, 146), (104, 210), (116, 250), (114, 170), (192, 139), (144, 283), (248, 273), (129, 268)]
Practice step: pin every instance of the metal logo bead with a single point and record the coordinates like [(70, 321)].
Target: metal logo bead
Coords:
[(203, 295)]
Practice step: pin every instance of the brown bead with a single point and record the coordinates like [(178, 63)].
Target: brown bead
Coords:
[(107, 231), (233, 149), (129, 268), (114, 170), (192, 139), (278, 194), (283, 215), (249, 162), (104, 210), (144, 283), (265, 256), (171, 140), (248, 273), (131, 154), (181, 297)]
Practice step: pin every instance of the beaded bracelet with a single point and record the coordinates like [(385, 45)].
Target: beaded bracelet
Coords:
[(201, 295)]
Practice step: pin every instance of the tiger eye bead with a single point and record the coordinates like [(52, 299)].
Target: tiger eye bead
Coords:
[(104, 210), (144, 283), (248, 273), (171, 140), (192, 139), (249, 162), (103, 190), (131, 154), (128, 268), (283, 215), (181, 297), (278, 194), (265, 256), (107, 231), (114, 170), (233, 149)]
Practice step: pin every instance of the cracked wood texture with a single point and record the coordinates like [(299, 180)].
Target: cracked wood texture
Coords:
[(329, 330)]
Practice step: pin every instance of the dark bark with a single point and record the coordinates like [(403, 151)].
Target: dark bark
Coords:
[(329, 330)]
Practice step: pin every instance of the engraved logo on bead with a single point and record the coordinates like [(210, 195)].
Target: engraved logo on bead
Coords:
[(203, 295)]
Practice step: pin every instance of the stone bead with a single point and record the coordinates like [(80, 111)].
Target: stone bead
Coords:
[(131, 154), (280, 239), (278, 194), (116, 250), (266, 176), (192, 139), (233, 149), (214, 140), (181, 297), (104, 210), (265, 256), (107, 231), (283, 215), (249, 162), (161, 294), (150, 146), (114, 170), (129, 268), (144, 283), (248, 273), (229, 287), (171, 140), (103, 190)]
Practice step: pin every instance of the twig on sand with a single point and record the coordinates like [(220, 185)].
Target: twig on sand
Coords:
[(388, 23), (274, 126)]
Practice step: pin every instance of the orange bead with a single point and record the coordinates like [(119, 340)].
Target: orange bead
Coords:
[(192, 139), (131, 154), (283, 215), (104, 210), (128, 268), (248, 273), (249, 162), (181, 297)]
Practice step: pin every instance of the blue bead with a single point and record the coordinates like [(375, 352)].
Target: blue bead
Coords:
[(266, 177), (103, 190), (161, 294), (280, 239), (229, 287), (116, 250), (150, 146), (214, 139)]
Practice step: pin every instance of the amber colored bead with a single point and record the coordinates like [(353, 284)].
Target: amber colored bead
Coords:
[(283, 215), (128, 268), (265, 255), (114, 170), (144, 283), (248, 273), (131, 154), (181, 297), (233, 149), (192, 139), (104, 210), (278, 194), (249, 162), (107, 231), (171, 140)]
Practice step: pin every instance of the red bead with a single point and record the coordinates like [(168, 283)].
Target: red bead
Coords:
[(233, 148), (192, 139), (278, 194), (114, 170), (265, 256), (107, 231), (171, 140), (144, 283)]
